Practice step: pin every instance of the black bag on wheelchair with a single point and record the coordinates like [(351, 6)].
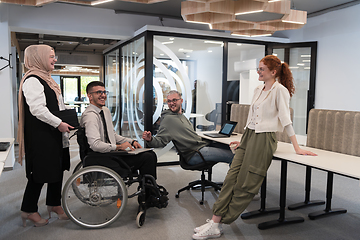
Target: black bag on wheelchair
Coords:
[(155, 195)]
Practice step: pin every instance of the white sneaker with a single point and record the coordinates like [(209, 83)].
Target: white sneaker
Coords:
[(198, 229), (209, 230)]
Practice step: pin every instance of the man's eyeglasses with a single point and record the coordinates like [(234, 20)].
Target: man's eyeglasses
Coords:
[(101, 92), (173, 100), (260, 69), (54, 57)]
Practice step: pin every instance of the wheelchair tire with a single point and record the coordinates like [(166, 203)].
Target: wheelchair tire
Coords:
[(94, 197), (78, 167), (140, 218)]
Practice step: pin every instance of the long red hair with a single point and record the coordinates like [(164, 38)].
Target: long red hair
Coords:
[(283, 73)]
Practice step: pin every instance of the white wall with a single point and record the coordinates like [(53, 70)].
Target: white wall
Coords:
[(76, 20), (337, 78), (6, 106)]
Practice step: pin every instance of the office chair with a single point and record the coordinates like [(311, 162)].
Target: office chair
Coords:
[(203, 167)]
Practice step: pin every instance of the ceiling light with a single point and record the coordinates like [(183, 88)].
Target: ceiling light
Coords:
[(286, 21), (305, 55), (161, 54), (240, 35), (168, 42), (171, 39), (239, 44), (185, 50), (301, 64), (100, 2), (261, 35), (274, 54), (242, 13), (187, 56), (306, 60), (306, 68), (210, 51)]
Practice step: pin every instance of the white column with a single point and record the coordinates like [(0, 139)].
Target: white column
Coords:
[(6, 106)]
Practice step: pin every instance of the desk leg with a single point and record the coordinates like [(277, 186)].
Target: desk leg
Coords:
[(328, 210), (262, 211), (307, 202), (282, 220)]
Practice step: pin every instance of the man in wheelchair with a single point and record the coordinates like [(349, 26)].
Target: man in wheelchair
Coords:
[(101, 138)]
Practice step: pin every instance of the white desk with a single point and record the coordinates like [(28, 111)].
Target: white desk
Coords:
[(332, 162), (6, 159)]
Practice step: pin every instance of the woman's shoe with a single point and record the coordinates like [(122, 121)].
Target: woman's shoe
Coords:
[(35, 218), (59, 211)]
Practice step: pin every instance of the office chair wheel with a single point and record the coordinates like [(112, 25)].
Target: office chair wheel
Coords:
[(177, 195), (94, 197), (78, 167), (201, 202), (140, 218)]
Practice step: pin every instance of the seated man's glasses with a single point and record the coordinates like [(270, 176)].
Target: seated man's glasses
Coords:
[(173, 100), (101, 92)]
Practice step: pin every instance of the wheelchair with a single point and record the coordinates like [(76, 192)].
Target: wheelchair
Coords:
[(96, 196)]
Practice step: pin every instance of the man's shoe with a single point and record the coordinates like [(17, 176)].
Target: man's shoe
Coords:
[(210, 230)]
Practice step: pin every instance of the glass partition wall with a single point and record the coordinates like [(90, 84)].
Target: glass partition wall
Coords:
[(211, 73)]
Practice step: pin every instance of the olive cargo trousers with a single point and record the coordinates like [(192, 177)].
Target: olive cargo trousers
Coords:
[(246, 174)]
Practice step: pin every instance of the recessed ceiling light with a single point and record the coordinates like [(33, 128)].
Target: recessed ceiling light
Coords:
[(301, 64), (306, 60), (210, 51), (185, 50), (171, 39), (239, 44), (305, 55), (188, 56), (168, 42), (100, 2)]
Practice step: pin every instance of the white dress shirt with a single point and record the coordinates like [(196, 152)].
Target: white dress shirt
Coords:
[(94, 130)]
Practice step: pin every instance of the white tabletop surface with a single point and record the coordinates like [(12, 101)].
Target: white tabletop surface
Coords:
[(4, 154), (344, 164)]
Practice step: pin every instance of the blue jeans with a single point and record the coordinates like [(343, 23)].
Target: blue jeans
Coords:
[(215, 153)]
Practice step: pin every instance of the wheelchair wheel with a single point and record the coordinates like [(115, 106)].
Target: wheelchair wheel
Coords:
[(78, 167), (94, 197)]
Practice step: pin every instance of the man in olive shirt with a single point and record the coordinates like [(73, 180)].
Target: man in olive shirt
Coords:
[(176, 127)]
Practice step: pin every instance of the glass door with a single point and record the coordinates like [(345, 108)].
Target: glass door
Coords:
[(301, 58)]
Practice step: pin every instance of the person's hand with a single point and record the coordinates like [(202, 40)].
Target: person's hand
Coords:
[(64, 127), (137, 145), (146, 136), (305, 152), (124, 146), (237, 143)]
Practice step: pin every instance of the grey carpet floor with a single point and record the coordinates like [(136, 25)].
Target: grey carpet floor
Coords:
[(183, 214)]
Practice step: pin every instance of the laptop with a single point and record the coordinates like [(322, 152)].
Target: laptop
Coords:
[(225, 131), (132, 152)]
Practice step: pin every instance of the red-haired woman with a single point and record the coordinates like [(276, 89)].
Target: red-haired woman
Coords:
[(269, 112)]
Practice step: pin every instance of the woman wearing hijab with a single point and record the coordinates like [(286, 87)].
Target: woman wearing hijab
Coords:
[(43, 137)]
